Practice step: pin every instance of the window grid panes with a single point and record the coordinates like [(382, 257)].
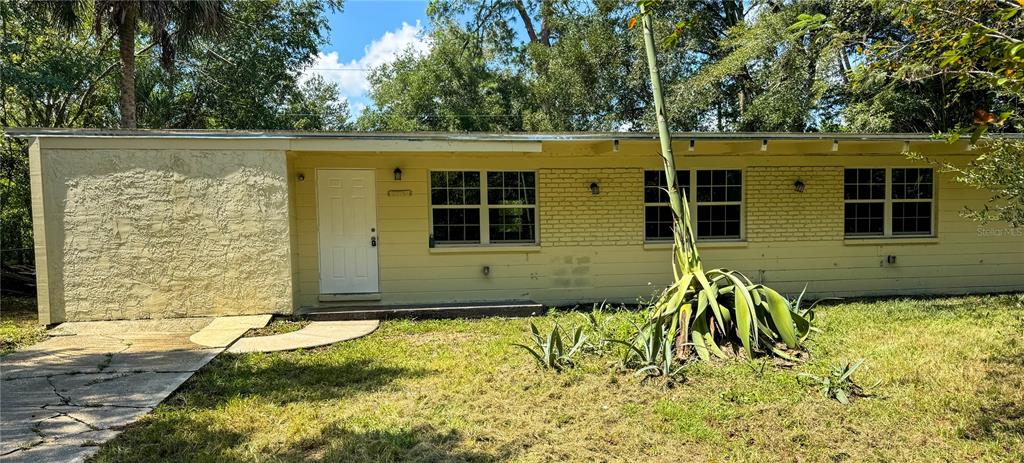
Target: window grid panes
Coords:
[(511, 204), (912, 201), (719, 204), (864, 194), (889, 202), (501, 209), (657, 212)]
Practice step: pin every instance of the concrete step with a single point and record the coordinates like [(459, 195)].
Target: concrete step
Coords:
[(351, 312)]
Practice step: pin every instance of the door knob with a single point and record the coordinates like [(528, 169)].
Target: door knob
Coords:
[(373, 241)]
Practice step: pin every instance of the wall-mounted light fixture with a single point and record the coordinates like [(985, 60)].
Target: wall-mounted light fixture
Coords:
[(595, 188), (615, 145), (300, 177), (799, 186), (764, 144), (398, 173)]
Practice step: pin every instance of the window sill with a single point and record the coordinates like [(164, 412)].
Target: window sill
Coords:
[(890, 241), (485, 249), (655, 245)]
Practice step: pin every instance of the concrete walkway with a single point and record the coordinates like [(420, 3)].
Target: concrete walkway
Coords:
[(61, 398), (315, 334)]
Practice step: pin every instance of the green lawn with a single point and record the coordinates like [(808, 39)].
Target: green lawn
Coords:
[(952, 372), (19, 324)]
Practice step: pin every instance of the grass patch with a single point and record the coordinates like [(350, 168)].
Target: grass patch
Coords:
[(951, 371), (19, 324), (277, 326)]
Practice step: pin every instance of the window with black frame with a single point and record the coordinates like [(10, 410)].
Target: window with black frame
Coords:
[(912, 192), (719, 204), (512, 207), (657, 211), (864, 197), (455, 207), (500, 210), (891, 202)]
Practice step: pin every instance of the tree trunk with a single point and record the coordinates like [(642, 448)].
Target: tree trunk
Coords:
[(126, 29), (684, 238)]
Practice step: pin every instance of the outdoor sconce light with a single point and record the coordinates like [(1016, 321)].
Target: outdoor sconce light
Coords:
[(398, 173), (301, 176), (595, 188), (799, 186)]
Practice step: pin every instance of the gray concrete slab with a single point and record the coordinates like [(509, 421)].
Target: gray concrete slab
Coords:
[(225, 330), (60, 399)]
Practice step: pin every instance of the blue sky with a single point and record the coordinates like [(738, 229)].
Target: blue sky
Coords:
[(366, 34)]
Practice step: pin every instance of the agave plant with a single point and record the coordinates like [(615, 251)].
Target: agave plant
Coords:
[(650, 351), (715, 307), (550, 351), (722, 307), (839, 383)]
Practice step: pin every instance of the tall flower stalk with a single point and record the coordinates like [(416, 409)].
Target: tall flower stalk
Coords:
[(706, 312)]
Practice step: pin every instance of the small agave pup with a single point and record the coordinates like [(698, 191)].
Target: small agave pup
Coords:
[(714, 307), (550, 351)]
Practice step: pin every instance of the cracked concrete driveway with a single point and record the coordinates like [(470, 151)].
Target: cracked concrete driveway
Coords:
[(61, 398)]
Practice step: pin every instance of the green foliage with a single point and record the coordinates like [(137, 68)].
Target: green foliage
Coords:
[(551, 351), (599, 329), (15, 196), (723, 308), (977, 44), (999, 169), (839, 383), (649, 352), (245, 77), (19, 325), (720, 306), (574, 69), (235, 82)]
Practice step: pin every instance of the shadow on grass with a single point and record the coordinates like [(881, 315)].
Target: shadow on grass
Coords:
[(1002, 411), (285, 379), (190, 427), (179, 437), (421, 443)]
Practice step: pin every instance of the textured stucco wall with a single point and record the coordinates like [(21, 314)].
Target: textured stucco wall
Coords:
[(168, 233)]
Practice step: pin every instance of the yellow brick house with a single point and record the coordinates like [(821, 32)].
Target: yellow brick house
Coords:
[(170, 224)]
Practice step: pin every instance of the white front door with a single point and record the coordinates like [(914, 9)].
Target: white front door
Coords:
[(347, 221)]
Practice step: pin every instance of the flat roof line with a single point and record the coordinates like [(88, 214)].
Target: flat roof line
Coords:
[(30, 132)]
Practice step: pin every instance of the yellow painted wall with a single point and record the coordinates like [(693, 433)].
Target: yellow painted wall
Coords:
[(591, 247), (573, 215), (149, 227)]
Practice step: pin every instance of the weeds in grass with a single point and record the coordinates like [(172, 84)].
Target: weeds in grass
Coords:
[(649, 352), (599, 330), (19, 325), (839, 383), (550, 351)]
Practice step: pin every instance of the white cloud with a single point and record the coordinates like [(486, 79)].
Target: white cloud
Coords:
[(351, 77)]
